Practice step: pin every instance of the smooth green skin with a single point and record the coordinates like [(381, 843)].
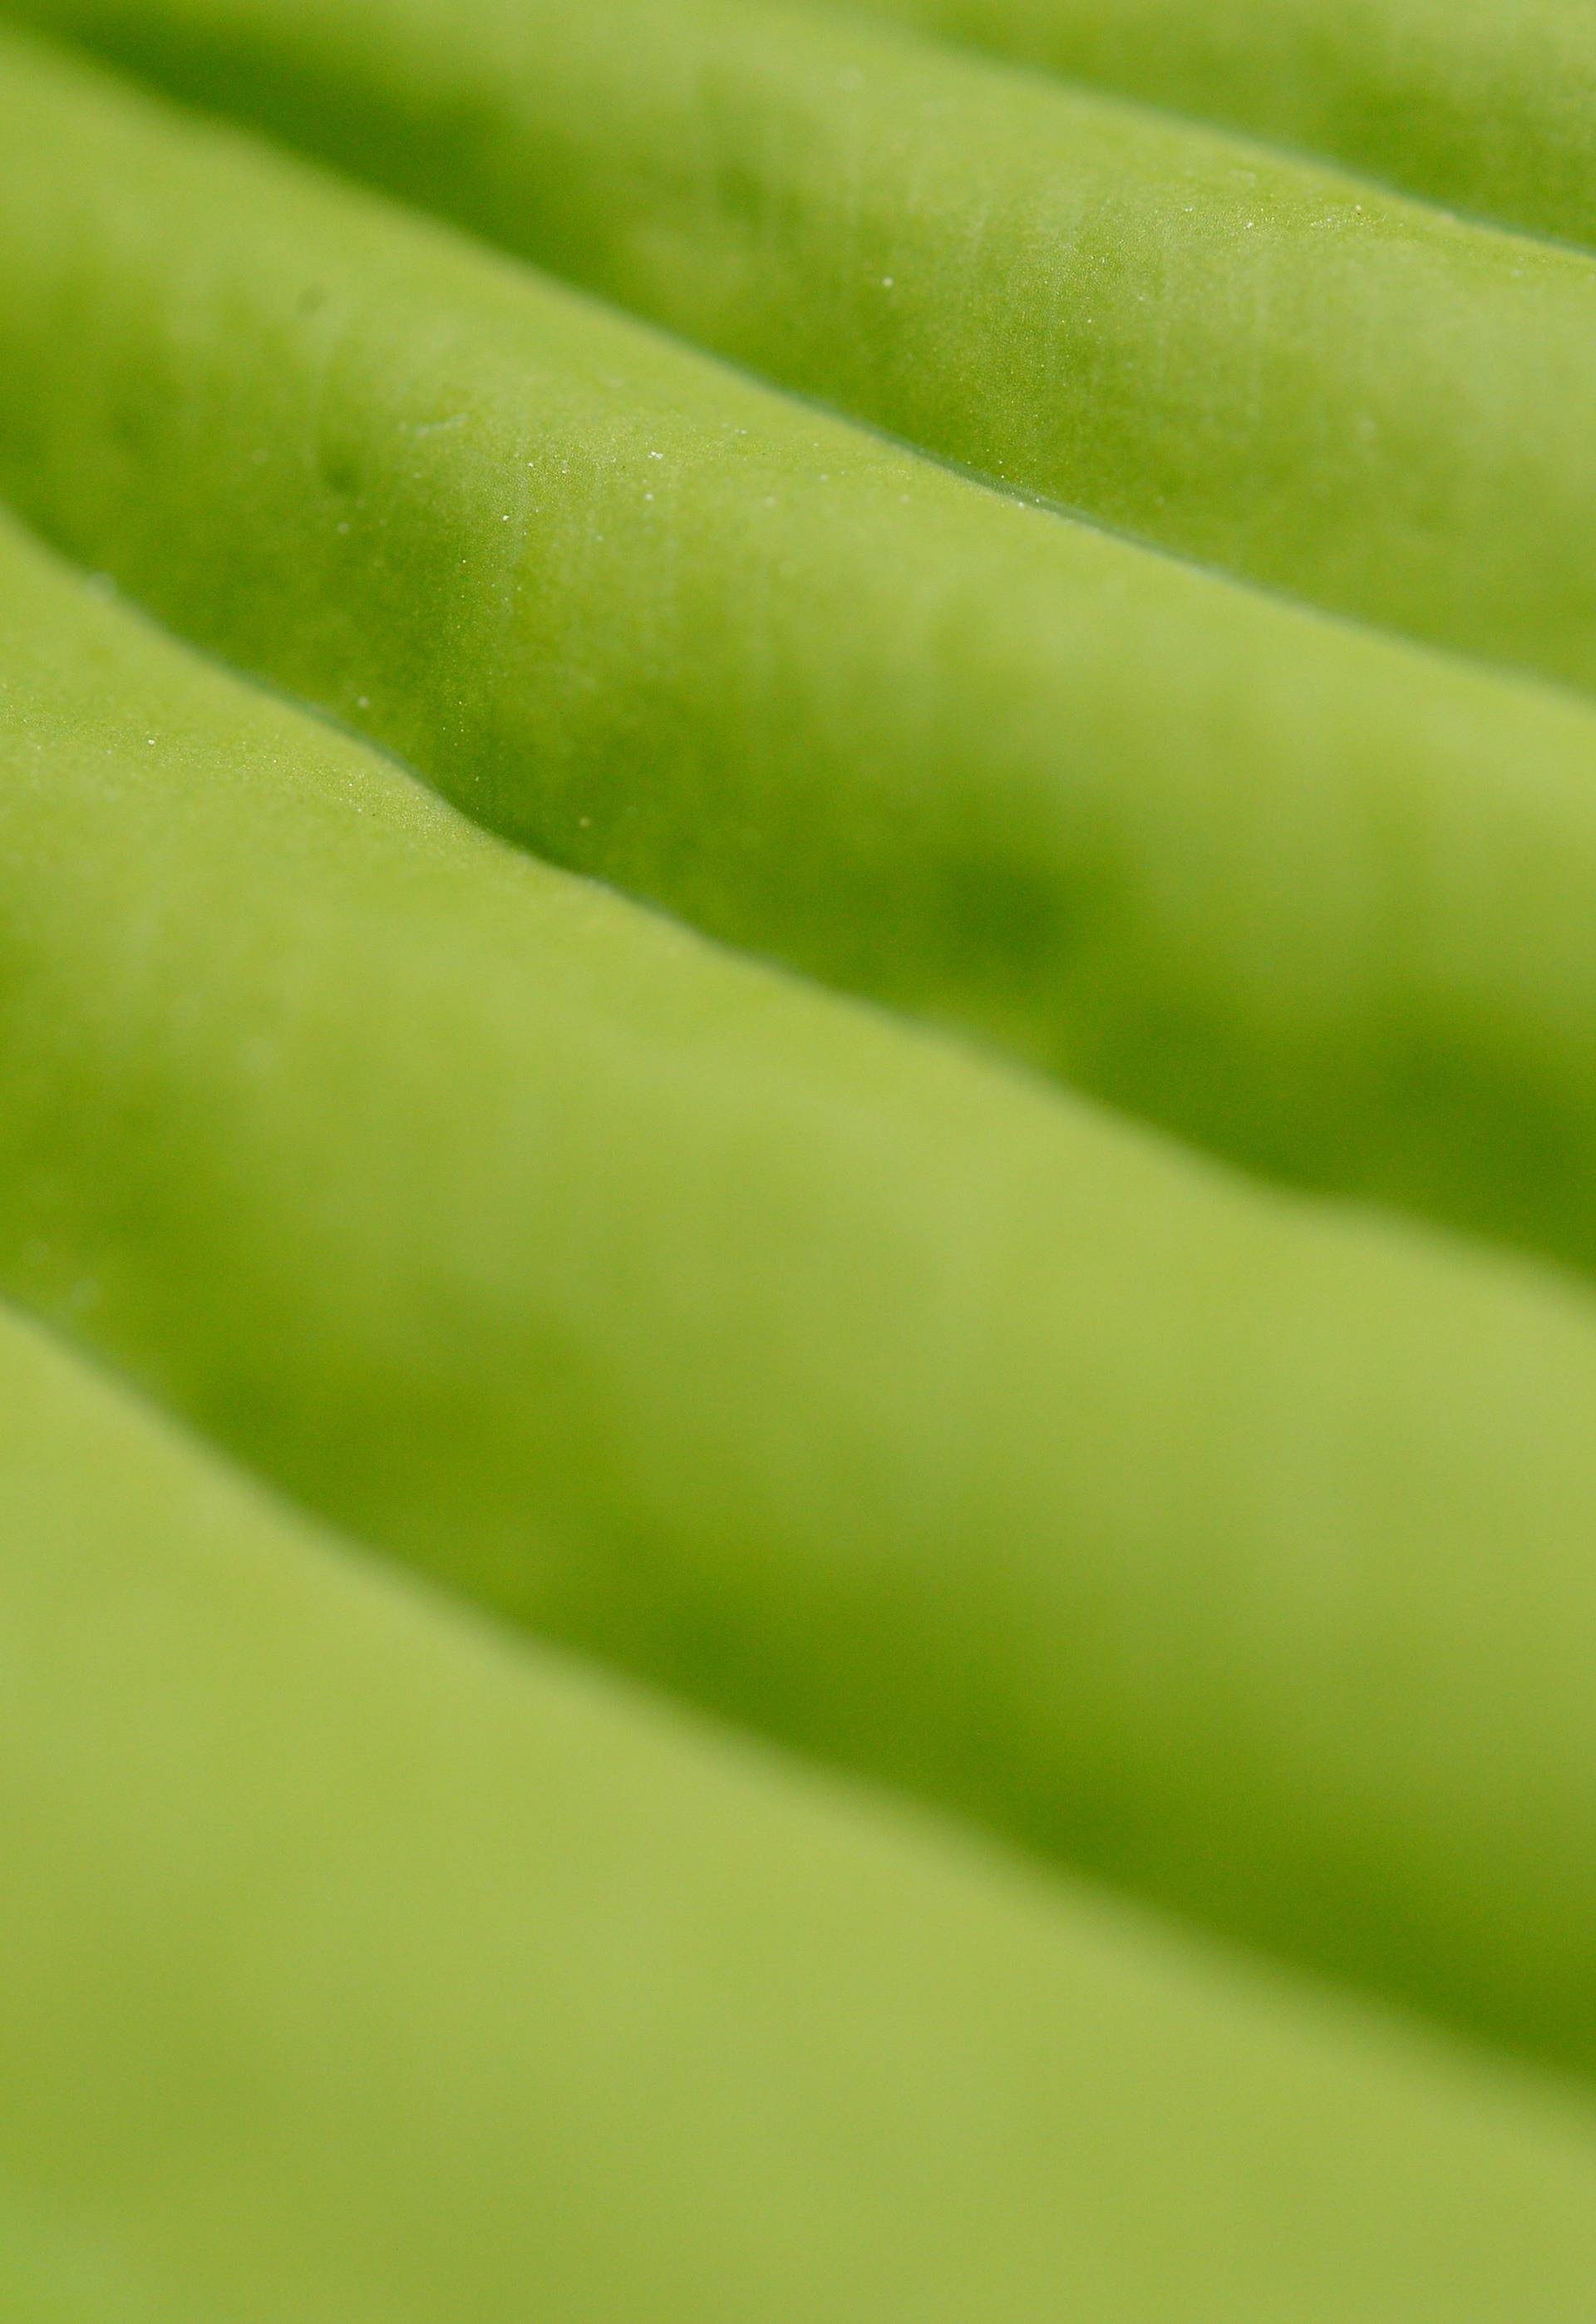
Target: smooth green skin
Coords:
[(933, 1422), (1486, 105), (355, 1968), (1314, 898), (1263, 363)]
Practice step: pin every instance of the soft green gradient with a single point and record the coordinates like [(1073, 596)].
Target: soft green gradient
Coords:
[(357, 1969), (1267, 881), (929, 1421), (1262, 362), (1489, 105), (1001, 1497)]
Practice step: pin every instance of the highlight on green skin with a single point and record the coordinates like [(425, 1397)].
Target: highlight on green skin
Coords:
[(357, 1968), (802, 1362), (1266, 364), (1314, 898), (1487, 105)]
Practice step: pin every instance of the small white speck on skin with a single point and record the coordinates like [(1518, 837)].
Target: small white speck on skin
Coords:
[(343, 524), (151, 740), (886, 282), (584, 823), (362, 702), (647, 496), (656, 456)]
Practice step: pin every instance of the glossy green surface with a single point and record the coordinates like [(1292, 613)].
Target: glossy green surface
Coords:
[(1261, 878), (1263, 363), (933, 1422), (358, 1968)]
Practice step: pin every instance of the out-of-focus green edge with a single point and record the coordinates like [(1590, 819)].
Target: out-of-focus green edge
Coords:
[(354, 1965)]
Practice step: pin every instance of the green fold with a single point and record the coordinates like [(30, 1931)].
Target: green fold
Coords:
[(357, 1969), (1264, 363), (879, 1398), (1315, 899), (1486, 105)]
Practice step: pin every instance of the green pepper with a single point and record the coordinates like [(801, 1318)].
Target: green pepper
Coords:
[(356, 1966), (877, 1396), (1263, 363), (1306, 895)]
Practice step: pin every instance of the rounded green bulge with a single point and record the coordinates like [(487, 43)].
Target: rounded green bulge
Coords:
[(1312, 897), (359, 1967), (876, 1396), (1263, 363), (1486, 105)]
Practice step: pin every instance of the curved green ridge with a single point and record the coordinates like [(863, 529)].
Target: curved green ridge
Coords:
[(1265, 364), (1303, 894), (1488, 106), (930, 1421), (358, 1969)]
